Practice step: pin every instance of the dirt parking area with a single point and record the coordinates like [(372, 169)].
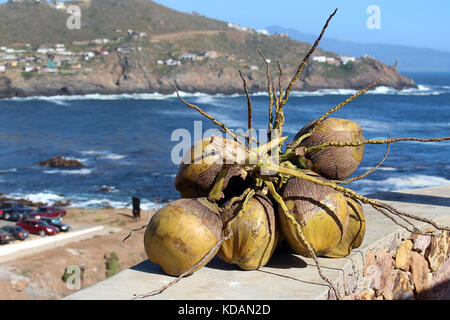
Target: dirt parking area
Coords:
[(40, 276)]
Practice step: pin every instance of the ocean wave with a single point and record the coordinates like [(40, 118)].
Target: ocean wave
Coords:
[(421, 90), (379, 169), (124, 96), (104, 202), (103, 154), (43, 197), (8, 170), (83, 171), (401, 183)]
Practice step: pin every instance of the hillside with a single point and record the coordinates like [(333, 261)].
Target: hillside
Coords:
[(131, 46)]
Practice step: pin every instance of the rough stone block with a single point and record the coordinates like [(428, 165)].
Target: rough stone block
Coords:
[(421, 277), (402, 287), (403, 256), (437, 251)]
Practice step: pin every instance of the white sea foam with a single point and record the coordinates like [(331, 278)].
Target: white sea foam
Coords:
[(44, 197), (104, 202), (382, 90), (379, 169), (82, 160), (399, 183), (8, 170), (103, 154), (83, 171)]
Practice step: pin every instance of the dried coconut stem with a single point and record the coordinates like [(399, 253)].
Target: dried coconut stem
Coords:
[(250, 111), (356, 95), (371, 141), (217, 123), (305, 60), (367, 172), (349, 193), (270, 92), (291, 218)]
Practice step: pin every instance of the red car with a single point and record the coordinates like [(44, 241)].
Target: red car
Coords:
[(39, 227), (47, 211)]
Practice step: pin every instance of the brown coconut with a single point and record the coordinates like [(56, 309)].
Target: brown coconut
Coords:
[(254, 234), (355, 231), (200, 167), (321, 213), (334, 163), (182, 233)]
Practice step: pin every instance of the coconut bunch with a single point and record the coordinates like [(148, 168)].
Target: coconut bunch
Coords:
[(240, 197)]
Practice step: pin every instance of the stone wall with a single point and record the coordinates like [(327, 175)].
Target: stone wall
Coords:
[(417, 268)]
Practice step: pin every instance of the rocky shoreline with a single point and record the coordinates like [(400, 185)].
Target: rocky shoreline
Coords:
[(205, 79)]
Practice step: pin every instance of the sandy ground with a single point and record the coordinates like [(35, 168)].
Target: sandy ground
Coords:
[(39, 276)]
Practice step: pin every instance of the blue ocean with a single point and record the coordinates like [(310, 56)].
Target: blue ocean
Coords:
[(125, 142)]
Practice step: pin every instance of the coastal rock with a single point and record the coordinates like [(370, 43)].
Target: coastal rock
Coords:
[(60, 162), (403, 256), (377, 273), (421, 242), (441, 282), (421, 278), (438, 251), (402, 289)]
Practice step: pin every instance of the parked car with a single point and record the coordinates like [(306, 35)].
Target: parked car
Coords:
[(13, 216), (47, 211), (5, 237), (39, 227), (17, 232), (57, 223), (13, 210)]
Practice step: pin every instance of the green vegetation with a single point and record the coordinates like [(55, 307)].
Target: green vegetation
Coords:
[(99, 20), (112, 264)]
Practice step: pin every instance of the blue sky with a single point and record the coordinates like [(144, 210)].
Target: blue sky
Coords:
[(415, 23)]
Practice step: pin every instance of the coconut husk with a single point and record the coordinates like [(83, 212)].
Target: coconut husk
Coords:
[(197, 172), (320, 211), (181, 233), (334, 163), (356, 229), (254, 234)]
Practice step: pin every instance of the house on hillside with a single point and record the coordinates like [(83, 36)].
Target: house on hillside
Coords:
[(58, 4), (124, 49), (319, 58), (346, 59), (188, 56)]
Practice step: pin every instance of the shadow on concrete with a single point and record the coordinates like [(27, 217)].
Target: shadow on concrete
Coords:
[(148, 267), (412, 198), (284, 258)]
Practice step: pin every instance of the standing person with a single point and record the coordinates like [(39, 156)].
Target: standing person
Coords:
[(136, 208)]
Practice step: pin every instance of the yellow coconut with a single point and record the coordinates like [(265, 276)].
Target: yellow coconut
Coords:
[(334, 163), (321, 213), (255, 234), (200, 167), (356, 229), (181, 233)]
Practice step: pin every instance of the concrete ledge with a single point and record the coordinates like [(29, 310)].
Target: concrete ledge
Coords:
[(16, 250), (287, 276)]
